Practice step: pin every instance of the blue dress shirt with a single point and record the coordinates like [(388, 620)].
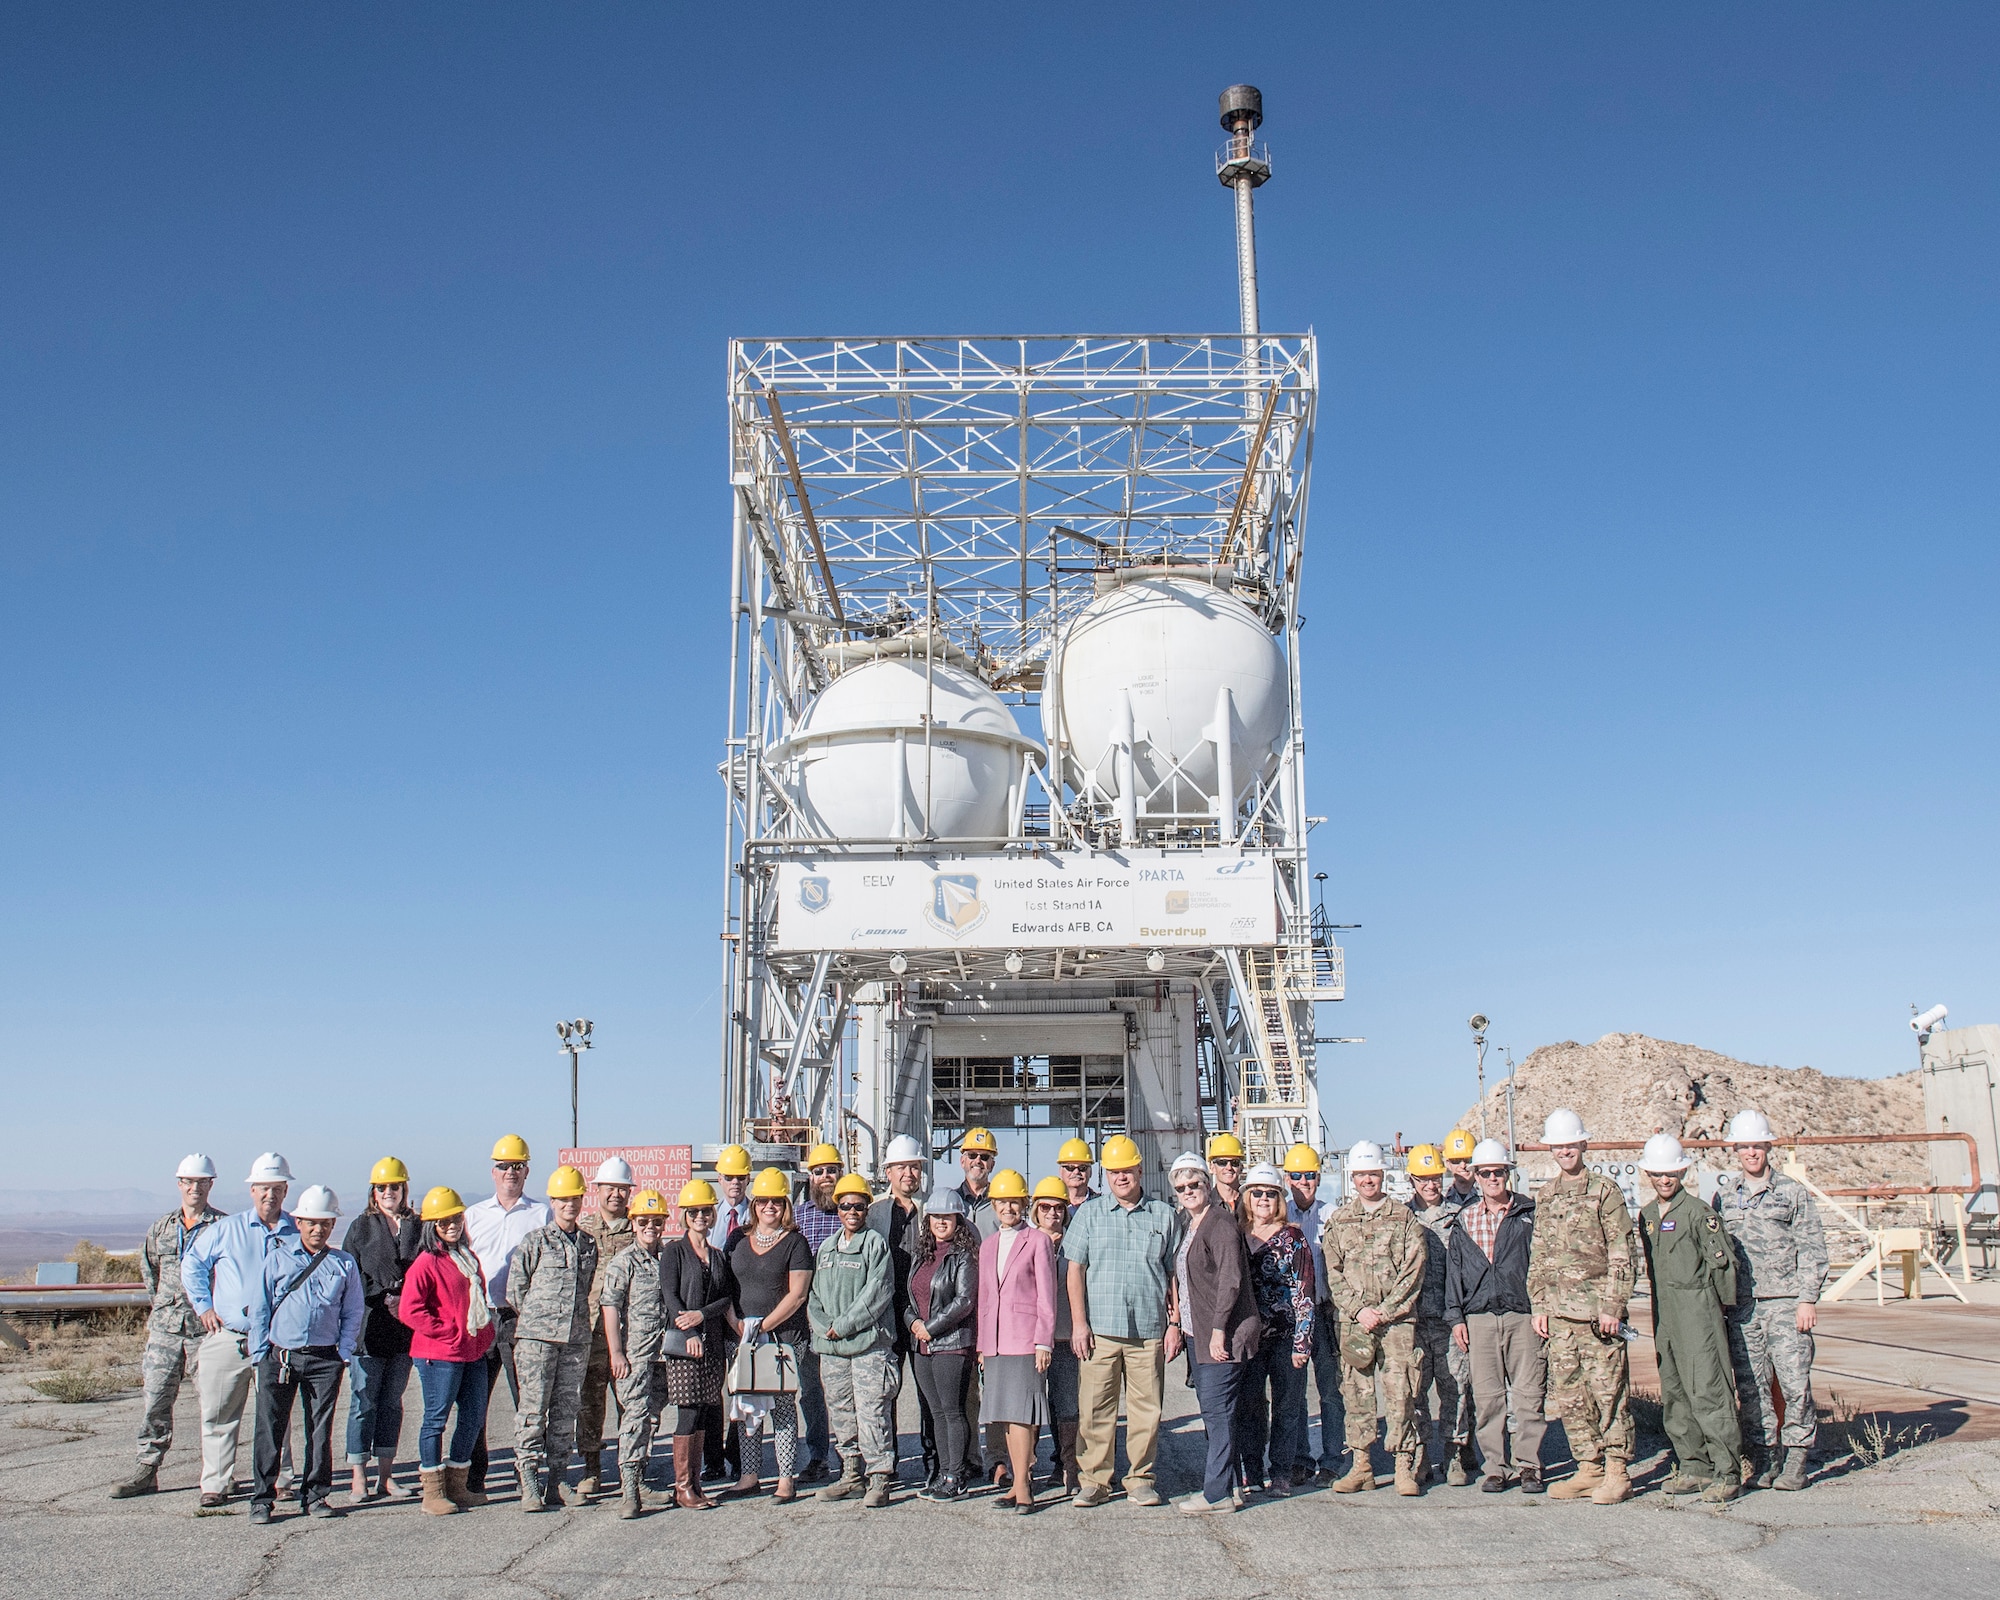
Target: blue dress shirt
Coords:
[(328, 1308), (223, 1270)]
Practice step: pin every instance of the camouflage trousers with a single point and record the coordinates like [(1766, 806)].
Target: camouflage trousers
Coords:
[(1590, 1380), (590, 1408), (551, 1388), (1764, 1341), (642, 1393), (168, 1359), (1444, 1389), (1398, 1362)]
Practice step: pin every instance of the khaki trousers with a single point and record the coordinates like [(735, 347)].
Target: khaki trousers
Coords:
[(1141, 1364), (1510, 1380), (222, 1377)]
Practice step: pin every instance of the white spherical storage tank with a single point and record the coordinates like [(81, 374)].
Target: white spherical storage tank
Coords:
[(857, 761), (1169, 647)]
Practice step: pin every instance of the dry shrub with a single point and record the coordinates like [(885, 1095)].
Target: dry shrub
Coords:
[(79, 1385)]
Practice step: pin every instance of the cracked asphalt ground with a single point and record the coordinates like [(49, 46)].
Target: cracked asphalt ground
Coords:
[(1928, 1518)]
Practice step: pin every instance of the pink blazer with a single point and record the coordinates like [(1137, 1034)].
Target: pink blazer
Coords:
[(1017, 1311)]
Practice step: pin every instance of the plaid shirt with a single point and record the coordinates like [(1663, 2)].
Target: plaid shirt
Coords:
[(1127, 1253), (1483, 1225), (818, 1226)]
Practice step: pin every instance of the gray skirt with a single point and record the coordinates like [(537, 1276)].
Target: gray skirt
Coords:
[(1011, 1390)]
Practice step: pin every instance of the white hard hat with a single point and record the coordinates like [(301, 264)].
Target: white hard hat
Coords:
[(317, 1201), (1264, 1176), (1663, 1153), (613, 1169), (903, 1148), (1187, 1161), (1366, 1156), (195, 1166), (1564, 1126), (270, 1167), (1749, 1127), (1491, 1153)]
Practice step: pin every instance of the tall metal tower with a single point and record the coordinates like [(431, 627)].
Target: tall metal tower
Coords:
[(1015, 818)]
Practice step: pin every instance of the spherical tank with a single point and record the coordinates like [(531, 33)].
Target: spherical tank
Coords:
[(858, 757), (1170, 644)]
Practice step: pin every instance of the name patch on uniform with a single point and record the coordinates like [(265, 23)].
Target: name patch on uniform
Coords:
[(1666, 1224)]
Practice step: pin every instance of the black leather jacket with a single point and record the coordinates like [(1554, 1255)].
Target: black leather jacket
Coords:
[(953, 1323)]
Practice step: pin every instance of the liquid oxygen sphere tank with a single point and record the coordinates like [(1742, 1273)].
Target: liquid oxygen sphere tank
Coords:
[(1167, 645), (858, 755)]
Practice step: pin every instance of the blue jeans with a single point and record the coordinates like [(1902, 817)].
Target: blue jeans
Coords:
[(445, 1384), (1271, 1409), (1215, 1385), (375, 1386), (812, 1407), (1332, 1409)]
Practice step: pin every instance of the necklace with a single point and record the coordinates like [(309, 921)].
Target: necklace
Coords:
[(765, 1240)]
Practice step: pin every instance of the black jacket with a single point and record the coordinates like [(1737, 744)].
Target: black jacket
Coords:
[(953, 1323), (384, 1251), (1474, 1285), (686, 1285)]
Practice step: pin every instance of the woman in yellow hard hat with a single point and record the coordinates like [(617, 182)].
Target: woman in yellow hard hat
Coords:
[(635, 1314), (851, 1309), (700, 1294), (1051, 1213), (452, 1326), (1017, 1329), (774, 1267), (384, 1240)]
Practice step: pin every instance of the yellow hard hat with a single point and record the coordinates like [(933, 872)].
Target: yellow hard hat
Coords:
[(823, 1155), (771, 1184), (1008, 1185), (511, 1147), (1301, 1158), (1425, 1162), (979, 1139), (1226, 1145), (565, 1183), (647, 1203), (1052, 1189), (696, 1192), (734, 1162), (853, 1183), (1458, 1145), (441, 1203), (1119, 1154), (1074, 1150), (388, 1170)]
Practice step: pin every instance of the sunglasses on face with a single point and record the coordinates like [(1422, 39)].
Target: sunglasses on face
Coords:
[(1490, 1172), (770, 1200), (824, 1172), (1225, 1161), (698, 1211), (976, 1155), (1075, 1168), (852, 1205), (1189, 1188), (1262, 1194), (510, 1166)]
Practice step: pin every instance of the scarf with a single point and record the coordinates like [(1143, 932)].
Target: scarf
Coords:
[(478, 1310)]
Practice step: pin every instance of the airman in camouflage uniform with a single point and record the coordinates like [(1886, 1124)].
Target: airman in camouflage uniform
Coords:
[(611, 1234), (630, 1291), (1375, 1258), (548, 1285), (1781, 1267), (1447, 1370), (173, 1334), (1580, 1277)]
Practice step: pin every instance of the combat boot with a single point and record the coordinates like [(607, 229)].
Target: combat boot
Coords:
[(592, 1481), (145, 1481), (533, 1489), (1458, 1473), (878, 1491), (1794, 1475), (1758, 1469), (1616, 1486), (628, 1498), (1406, 1473), (436, 1502), (1362, 1476), (1581, 1484), (848, 1484), (1721, 1492)]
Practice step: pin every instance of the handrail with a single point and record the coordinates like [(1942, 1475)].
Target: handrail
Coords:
[(71, 1297), (1880, 1191)]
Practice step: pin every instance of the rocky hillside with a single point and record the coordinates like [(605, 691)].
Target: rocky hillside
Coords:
[(1627, 1086)]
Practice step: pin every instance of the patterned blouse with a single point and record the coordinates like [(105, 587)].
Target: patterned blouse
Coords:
[(1281, 1273)]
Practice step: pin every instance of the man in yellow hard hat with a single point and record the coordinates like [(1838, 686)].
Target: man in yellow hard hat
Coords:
[(1122, 1296), (549, 1290), (495, 1228), (1225, 1167), (1307, 1209), (732, 1172), (1444, 1390), (1463, 1188), (610, 1228), (818, 1221), (978, 1151), (1073, 1164)]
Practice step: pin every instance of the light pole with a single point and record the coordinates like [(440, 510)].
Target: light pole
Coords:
[(575, 1037), (1478, 1024)]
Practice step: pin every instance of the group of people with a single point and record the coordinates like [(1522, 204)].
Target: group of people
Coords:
[(1446, 1323)]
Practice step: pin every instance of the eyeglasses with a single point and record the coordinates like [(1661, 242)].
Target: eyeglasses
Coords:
[(1225, 1161), (510, 1166), (697, 1211), (1075, 1169), (1190, 1188), (976, 1155), (770, 1200), (852, 1205), (1489, 1172), (1262, 1194), (824, 1172)]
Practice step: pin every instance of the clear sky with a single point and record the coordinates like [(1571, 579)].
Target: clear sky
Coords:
[(364, 515)]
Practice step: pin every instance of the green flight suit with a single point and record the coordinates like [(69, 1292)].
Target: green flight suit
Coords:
[(1692, 1266)]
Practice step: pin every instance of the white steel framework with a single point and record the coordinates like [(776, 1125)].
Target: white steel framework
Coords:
[(962, 499)]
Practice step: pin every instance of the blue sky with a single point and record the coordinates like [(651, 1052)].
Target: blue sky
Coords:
[(363, 517)]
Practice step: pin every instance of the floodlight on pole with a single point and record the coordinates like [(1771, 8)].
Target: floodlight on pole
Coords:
[(575, 1037), (1478, 1024)]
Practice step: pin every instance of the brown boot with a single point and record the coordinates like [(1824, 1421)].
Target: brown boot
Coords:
[(1579, 1486), (436, 1502), (452, 1481), (1406, 1473), (1616, 1485), (592, 1480), (1361, 1477), (687, 1473)]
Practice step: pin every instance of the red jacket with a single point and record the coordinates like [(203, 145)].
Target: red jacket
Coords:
[(434, 1303)]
